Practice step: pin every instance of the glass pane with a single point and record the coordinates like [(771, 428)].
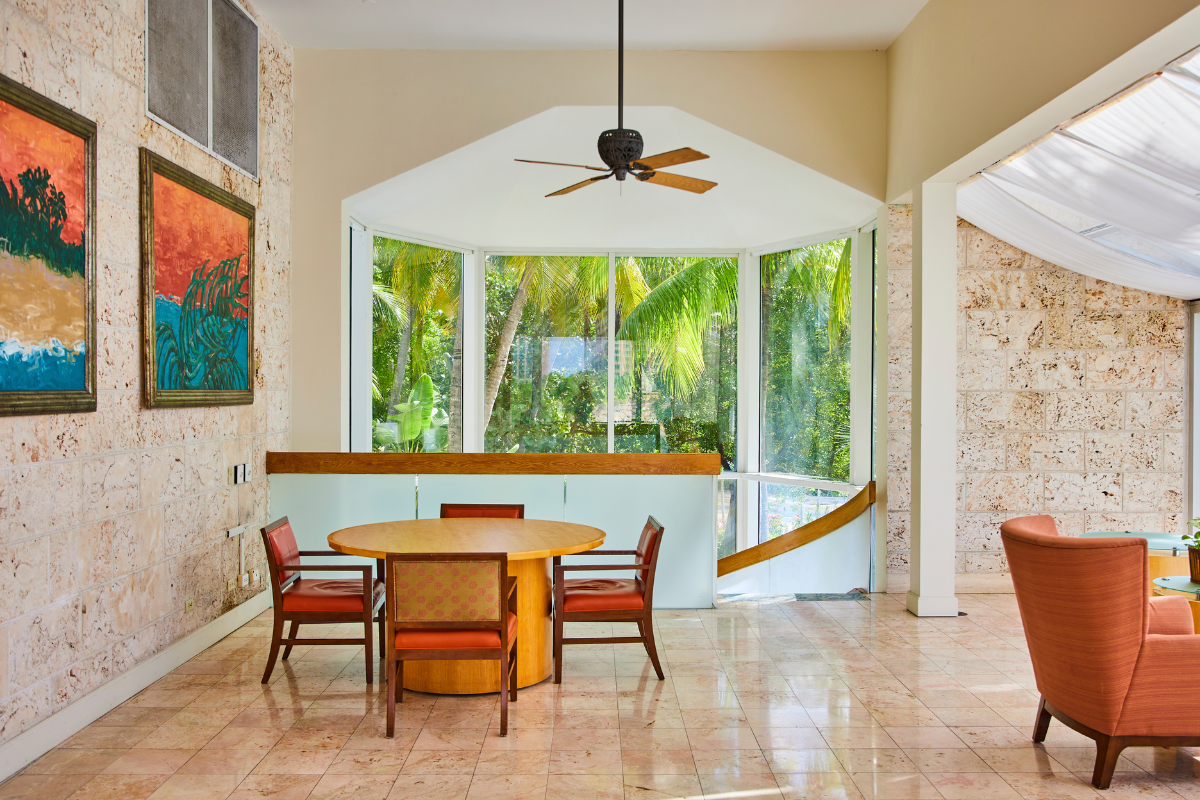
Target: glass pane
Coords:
[(546, 376), (805, 407), (676, 356), (416, 349), (726, 518), (784, 508)]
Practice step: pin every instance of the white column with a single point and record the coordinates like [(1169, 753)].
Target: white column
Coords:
[(361, 333), (934, 394), (879, 510), (749, 381)]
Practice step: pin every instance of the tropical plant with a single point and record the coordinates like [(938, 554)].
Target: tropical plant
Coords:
[(203, 353), (32, 220), (417, 421)]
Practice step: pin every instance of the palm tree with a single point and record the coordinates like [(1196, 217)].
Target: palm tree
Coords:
[(420, 280)]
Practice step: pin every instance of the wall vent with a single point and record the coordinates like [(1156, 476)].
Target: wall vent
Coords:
[(202, 76)]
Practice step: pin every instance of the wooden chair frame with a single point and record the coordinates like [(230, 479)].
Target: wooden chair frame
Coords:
[(485, 506), (367, 616), (506, 654), (644, 616)]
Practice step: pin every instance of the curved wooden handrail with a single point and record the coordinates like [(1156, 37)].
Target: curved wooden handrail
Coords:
[(819, 527)]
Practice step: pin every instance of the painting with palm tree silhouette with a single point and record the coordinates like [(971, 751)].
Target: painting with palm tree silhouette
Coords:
[(45, 220), (198, 292)]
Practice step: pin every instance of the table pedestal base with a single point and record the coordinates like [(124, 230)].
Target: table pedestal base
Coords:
[(534, 643)]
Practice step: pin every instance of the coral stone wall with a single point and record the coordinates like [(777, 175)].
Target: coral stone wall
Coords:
[(110, 521), (1071, 401)]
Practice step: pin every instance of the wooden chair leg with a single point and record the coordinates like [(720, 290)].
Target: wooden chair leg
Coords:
[(382, 635), (503, 694), (367, 634), (646, 625), (276, 635), (392, 684), (292, 630), (558, 645), (1108, 750), (512, 680), (1042, 726)]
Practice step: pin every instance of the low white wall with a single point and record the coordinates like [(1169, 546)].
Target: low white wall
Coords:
[(317, 505)]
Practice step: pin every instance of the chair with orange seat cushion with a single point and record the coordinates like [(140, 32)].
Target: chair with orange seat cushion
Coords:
[(610, 599), (450, 606), (312, 600), (1109, 661), (473, 510)]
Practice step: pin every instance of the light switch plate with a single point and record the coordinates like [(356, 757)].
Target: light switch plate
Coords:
[(230, 584), (254, 576), (245, 579), (189, 605)]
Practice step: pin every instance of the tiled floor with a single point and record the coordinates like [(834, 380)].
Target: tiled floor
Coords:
[(815, 700)]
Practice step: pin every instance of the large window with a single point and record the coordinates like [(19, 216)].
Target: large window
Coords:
[(416, 348), (805, 396), (673, 361), (676, 356), (546, 374)]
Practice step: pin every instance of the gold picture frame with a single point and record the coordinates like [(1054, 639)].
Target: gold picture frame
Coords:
[(197, 269)]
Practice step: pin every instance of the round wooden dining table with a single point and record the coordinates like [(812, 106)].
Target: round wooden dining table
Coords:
[(529, 543)]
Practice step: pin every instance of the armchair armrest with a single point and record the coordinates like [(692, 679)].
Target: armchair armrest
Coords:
[(606, 553), (594, 567), (363, 568), (1164, 692), (1171, 615), (322, 553)]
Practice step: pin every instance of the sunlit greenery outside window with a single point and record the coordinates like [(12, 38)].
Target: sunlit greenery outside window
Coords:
[(675, 358), (546, 371), (726, 518), (805, 363), (416, 348)]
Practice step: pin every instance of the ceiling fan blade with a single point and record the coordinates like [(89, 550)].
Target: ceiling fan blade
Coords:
[(683, 155), (560, 164), (580, 185), (677, 181)]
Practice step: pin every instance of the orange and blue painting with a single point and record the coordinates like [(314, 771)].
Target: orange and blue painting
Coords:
[(43, 264), (201, 291)]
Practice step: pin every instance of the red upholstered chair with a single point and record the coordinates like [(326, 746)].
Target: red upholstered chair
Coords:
[(1110, 662), (609, 599), (502, 511), (451, 606), (313, 600)]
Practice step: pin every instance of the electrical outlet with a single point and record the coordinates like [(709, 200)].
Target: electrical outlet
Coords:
[(245, 473), (245, 579), (189, 605), (231, 584), (254, 576)]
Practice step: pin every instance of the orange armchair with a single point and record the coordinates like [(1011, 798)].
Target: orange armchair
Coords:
[(1110, 662)]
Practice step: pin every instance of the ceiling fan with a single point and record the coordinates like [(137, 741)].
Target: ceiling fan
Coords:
[(621, 149)]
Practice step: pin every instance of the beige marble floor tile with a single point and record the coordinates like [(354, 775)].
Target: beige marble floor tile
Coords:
[(972, 786), (507, 787), (644, 786), (658, 762), (277, 787), (423, 787), (824, 785), (895, 786), (196, 787), (149, 762), (295, 762)]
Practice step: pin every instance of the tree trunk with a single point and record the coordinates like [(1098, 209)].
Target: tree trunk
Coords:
[(539, 379), (401, 362), (454, 438), (504, 345)]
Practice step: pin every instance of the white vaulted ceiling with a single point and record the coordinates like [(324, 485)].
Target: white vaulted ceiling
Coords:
[(479, 196), (591, 25)]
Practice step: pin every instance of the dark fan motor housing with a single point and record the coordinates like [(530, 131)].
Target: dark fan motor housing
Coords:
[(618, 147)]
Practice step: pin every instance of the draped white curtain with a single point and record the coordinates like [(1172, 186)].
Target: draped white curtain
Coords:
[(1113, 195)]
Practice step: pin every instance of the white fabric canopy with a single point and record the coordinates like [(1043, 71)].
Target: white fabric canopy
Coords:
[(1114, 195)]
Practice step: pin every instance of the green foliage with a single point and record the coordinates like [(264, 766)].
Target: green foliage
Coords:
[(203, 352), (418, 423), (806, 361), (32, 220)]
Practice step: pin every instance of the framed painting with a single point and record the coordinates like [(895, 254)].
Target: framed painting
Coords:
[(47, 255), (197, 290)]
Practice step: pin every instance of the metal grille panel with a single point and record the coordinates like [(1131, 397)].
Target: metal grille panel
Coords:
[(235, 86), (177, 64)]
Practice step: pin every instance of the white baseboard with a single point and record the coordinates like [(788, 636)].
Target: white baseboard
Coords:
[(69, 720), (964, 583)]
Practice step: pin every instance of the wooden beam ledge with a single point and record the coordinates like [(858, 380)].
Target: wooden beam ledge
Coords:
[(821, 526), (494, 463)]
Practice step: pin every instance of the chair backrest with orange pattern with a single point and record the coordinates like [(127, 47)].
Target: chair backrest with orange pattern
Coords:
[(496, 510), (1084, 608), (447, 590), (647, 553), (282, 551)]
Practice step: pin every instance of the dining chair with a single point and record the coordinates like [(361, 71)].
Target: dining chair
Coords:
[(1110, 662), (450, 606), (498, 510), (609, 599), (312, 600)]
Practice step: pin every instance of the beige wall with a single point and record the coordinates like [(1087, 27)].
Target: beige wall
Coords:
[(363, 116), (109, 521), (1071, 401), (963, 71)]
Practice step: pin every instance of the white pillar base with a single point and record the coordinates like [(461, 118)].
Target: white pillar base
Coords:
[(931, 605)]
